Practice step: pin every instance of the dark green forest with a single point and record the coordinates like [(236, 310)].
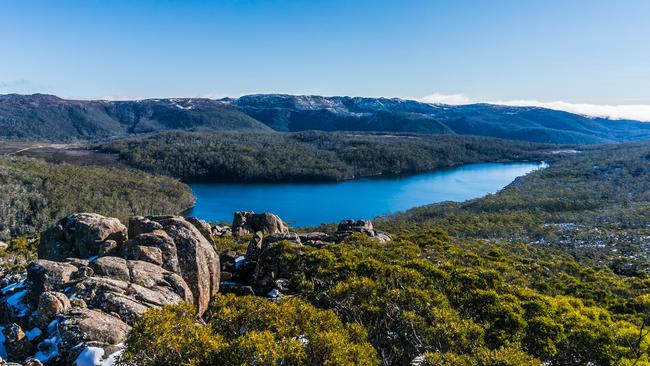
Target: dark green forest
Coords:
[(310, 156), (34, 194)]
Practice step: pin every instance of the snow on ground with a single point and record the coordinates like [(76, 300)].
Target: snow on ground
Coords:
[(16, 304), (33, 334), (12, 287), (93, 356), (240, 261), (49, 348), (3, 352), (90, 356)]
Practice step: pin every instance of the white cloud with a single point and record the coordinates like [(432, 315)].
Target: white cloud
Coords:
[(438, 98), (638, 112), (629, 111)]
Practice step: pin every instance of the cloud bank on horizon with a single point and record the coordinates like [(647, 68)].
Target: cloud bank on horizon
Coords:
[(637, 112)]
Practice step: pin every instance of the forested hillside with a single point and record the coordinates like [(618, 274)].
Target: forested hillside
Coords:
[(311, 156), (49, 118), (594, 204), (34, 194)]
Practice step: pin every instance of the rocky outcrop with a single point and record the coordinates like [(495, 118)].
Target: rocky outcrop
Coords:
[(94, 278), (183, 243), (94, 282), (81, 327), (249, 223), (50, 304), (224, 230), (82, 235), (16, 343), (349, 227), (260, 270), (204, 228)]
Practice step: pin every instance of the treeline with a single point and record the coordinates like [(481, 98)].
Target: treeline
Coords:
[(34, 194), (309, 156), (594, 204)]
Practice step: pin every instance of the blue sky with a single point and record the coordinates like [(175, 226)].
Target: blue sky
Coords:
[(575, 51)]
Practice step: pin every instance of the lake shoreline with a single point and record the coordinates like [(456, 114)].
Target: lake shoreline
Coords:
[(314, 203)]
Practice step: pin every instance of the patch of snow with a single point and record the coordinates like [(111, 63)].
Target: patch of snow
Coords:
[(274, 294), (90, 356), (418, 360), (16, 304), (230, 283), (302, 339), (52, 327), (49, 348), (112, 358), (33, 334), (3, 352), (13, 286), (240, 261)]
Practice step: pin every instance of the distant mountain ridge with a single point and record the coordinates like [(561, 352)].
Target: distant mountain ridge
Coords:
[(295, 113), (48, 117)]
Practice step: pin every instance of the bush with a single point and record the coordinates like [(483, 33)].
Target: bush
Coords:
[(247, 331)]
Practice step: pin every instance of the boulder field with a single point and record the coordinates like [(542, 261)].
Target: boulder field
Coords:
[(94, 278)]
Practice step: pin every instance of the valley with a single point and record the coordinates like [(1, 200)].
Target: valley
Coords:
[(498, 261)]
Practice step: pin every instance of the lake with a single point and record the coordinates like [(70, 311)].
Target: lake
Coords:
[(308, 204)]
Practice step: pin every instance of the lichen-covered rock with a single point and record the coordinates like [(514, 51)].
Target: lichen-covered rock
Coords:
[(250, 223), (112, 267), (94, 282), (82, 235), (81, 326), (197, 259), (151, 286), (44, 275), (16, 344), (349, 227), (224, 230), (314, 236), (203, 227), (140, 225), (148, 254), (158, 239), (50, 304)]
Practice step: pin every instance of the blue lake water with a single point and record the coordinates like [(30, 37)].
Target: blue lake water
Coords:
[(307, 204)]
